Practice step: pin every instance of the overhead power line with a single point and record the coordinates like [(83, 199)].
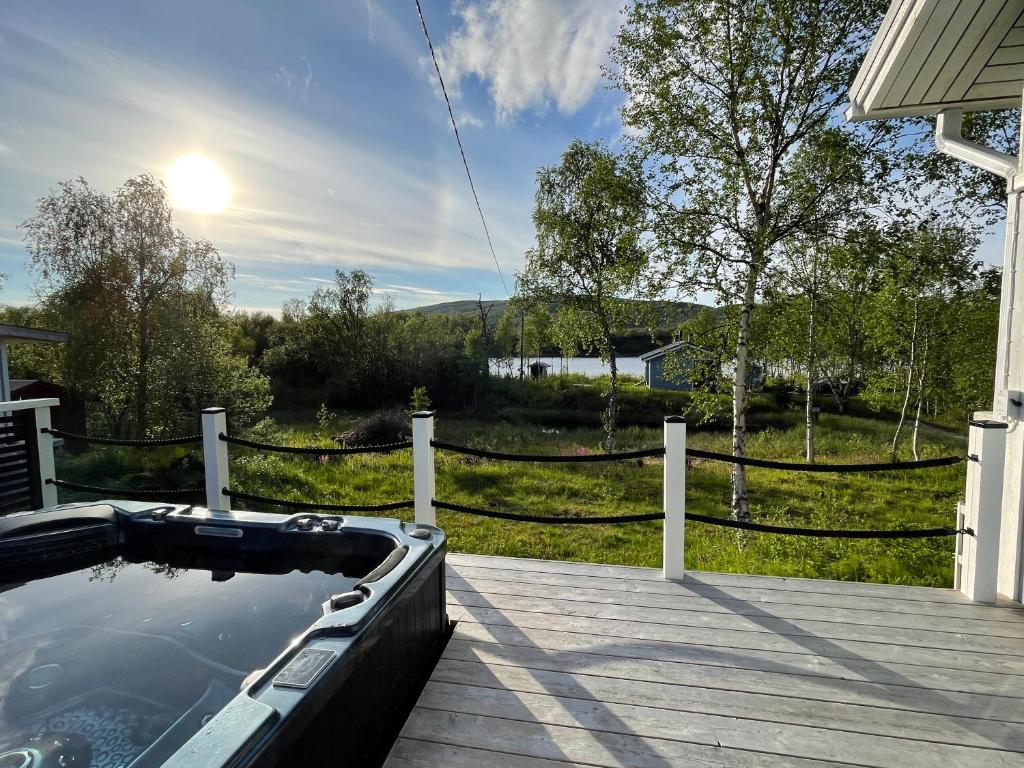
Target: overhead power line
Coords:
[(462, 151)]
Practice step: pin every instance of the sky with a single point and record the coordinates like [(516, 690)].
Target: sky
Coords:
[(326, 118)]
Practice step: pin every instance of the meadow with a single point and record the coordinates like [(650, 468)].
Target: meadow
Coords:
[(922, 498)]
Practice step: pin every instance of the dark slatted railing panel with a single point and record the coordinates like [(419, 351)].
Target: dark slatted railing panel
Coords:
[(18, 463)]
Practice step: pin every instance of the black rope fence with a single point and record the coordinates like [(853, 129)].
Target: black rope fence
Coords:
[(556, 520), (747, 461), (910, 533), (140, 443), (913, 533), (120, 492), (233, 494), (547, 457), (313, 451), (693, 453)]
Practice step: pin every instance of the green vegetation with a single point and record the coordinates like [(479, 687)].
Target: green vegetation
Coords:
[(882, 500)]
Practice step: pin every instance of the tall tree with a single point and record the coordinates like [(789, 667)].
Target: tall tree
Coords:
[(926, 269), (126, 284), (725, 96), (590, 217)]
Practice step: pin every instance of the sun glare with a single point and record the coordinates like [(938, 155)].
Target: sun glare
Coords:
[(197, 184)]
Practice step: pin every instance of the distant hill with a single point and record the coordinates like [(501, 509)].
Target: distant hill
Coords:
[(669, 314)]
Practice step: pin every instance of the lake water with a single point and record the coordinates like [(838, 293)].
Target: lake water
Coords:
[(588, 366)]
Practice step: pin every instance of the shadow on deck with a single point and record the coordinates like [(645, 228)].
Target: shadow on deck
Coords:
[(567, 663)]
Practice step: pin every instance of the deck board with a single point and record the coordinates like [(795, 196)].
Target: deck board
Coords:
[(556, 664)]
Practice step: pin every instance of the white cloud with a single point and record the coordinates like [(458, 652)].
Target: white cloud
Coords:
[(468, 119), (532, 53), (296, 85)]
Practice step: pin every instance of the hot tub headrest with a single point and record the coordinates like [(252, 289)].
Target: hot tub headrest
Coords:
[(390, 563)]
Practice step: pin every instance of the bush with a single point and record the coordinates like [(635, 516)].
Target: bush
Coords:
[(386, 426)]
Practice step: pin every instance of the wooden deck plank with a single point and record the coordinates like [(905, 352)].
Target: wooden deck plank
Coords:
[(707, 604), (645, 722), (810, 687), (759, 707), (556, 664), (738, 643), (411, 753), (711, 658), (579, 746), (759, 622), (816, 586), (698, 591)]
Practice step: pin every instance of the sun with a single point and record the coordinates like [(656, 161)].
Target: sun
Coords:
[(197, 184)]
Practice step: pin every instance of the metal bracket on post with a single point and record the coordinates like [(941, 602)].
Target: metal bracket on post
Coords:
[(978, 556), (423, 467), (215, 459), (674, 528)]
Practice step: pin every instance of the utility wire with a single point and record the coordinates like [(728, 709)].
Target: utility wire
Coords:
[(458, 139)]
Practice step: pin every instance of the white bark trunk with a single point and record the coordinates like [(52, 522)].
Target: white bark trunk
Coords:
[(920, 398), (910, 381), (740, 497), (812, 321)]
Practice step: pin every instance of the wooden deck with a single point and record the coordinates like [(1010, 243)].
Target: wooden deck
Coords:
[(556, 664)]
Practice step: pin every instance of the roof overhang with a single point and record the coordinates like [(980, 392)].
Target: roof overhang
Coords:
[(23, 334), (931, 55)]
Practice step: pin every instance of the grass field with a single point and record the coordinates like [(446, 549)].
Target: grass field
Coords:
[(922, 498)]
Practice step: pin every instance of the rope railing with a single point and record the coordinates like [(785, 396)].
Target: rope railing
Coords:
[(252, 497), (747, 461), (555, 520), (137, 443), (830, 533), (313, 450), (693, 453), (120, 492), (585, 458), (909, 533)]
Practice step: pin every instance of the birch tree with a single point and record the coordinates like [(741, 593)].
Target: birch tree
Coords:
[(130, 288), (723, 95), (590, 217), (926, 269)]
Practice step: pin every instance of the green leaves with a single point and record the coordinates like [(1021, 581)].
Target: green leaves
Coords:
[(140, 302)]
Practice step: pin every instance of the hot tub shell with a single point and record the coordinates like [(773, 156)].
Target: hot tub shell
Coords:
[(337, 694)]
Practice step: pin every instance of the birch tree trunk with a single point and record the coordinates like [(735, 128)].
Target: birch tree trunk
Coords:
[(809, 405), (740, 497), (910, 380), (611, 417), (920, 398), (812, 334)]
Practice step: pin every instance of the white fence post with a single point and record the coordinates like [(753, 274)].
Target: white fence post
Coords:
[(44, 447), (978, 555), (215, 459), (423, 467), (674, 529)]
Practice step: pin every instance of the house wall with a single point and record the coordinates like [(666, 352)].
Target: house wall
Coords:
[(657, 378), (68, 416)]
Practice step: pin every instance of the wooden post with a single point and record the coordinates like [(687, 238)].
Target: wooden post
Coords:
[(215, 459), (674, 528), (978, 555), (423, 467)]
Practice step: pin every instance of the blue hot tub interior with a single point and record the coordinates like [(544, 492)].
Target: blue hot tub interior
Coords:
[(125, 657)]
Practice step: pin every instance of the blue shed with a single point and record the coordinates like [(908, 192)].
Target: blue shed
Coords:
[(685, 354)]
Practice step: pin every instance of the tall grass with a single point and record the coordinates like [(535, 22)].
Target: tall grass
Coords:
[(922, 498)]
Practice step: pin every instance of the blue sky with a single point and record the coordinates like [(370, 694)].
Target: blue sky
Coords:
[(326, 118)]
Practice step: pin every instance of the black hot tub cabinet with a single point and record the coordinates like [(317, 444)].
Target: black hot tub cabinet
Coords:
[(139, 634)]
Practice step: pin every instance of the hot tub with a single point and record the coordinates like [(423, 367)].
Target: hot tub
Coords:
[(138, 634)]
